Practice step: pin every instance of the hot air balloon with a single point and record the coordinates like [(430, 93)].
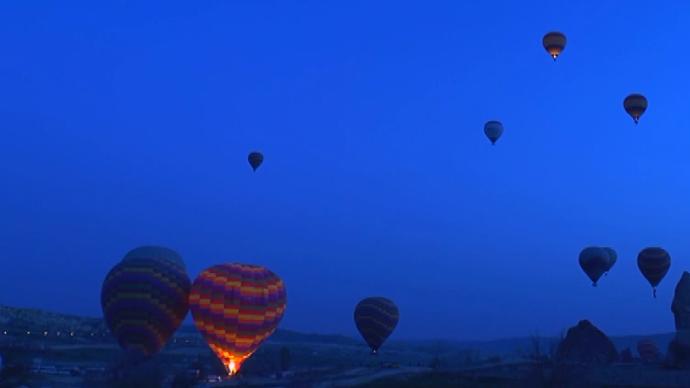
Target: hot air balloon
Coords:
[(255, 159), (554, 43), (654, 263), (635, 105), (493, 130), (648, 350), (594, 261), (144, 301), (236, 307), (154, 252), (613, 257), (376, 318)]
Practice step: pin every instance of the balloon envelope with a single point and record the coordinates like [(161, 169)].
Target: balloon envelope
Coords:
[(255, 159), (554, 43), (156, 253), (654, 263), (635, 105), (236, 307), (493, 130), (594, 261), (376, 318), (144, 301), (613, 257)]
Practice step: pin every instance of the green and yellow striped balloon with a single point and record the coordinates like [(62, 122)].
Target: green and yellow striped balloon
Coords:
[(144, 301)]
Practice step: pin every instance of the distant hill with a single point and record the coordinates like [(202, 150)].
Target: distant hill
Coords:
[(15, 320), (20, 320)]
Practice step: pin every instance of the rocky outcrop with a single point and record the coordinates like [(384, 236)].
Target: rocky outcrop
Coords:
[(681, 303), (678, 355), (586, 344)]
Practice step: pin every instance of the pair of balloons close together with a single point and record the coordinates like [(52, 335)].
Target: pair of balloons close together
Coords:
[(653, 262), (235, 307)]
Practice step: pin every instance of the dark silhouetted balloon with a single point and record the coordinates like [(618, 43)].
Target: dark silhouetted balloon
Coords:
[(554, 43), (635, 105), (144, 301), (156, 253), (376, 318), (613, 257), (594, 261), (654, 263), (493, 130), (255, 159), (236, 307)]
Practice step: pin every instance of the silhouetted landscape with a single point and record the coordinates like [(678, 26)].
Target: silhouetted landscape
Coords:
[(49, 349)]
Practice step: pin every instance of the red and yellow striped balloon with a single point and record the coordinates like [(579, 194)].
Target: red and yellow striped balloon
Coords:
[(236, 307)]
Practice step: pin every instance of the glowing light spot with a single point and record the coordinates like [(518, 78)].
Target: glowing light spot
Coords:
[(232, 368)]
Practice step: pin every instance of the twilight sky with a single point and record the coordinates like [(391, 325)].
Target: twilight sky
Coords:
[(129, 124)]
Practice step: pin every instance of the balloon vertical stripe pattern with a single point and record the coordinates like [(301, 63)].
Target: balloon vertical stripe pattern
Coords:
[(236, 307), (376, 318), (144, 301)]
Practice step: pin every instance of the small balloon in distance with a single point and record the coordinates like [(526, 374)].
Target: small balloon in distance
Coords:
[(255, 159), (635, 105), (554, 43), (493, 130)]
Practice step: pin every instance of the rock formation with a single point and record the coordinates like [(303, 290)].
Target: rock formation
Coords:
[(678, 355), (586, 344)]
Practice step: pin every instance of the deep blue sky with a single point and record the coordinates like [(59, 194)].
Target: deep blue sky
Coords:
[(129, 124)]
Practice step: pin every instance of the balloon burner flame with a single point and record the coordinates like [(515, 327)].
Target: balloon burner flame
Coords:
[(232, 368)]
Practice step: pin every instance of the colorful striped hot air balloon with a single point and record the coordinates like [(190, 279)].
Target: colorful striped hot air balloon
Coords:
[(648, 350), (144, 301), (163, 254), (236, 307), (376, 318), (654, 263)]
